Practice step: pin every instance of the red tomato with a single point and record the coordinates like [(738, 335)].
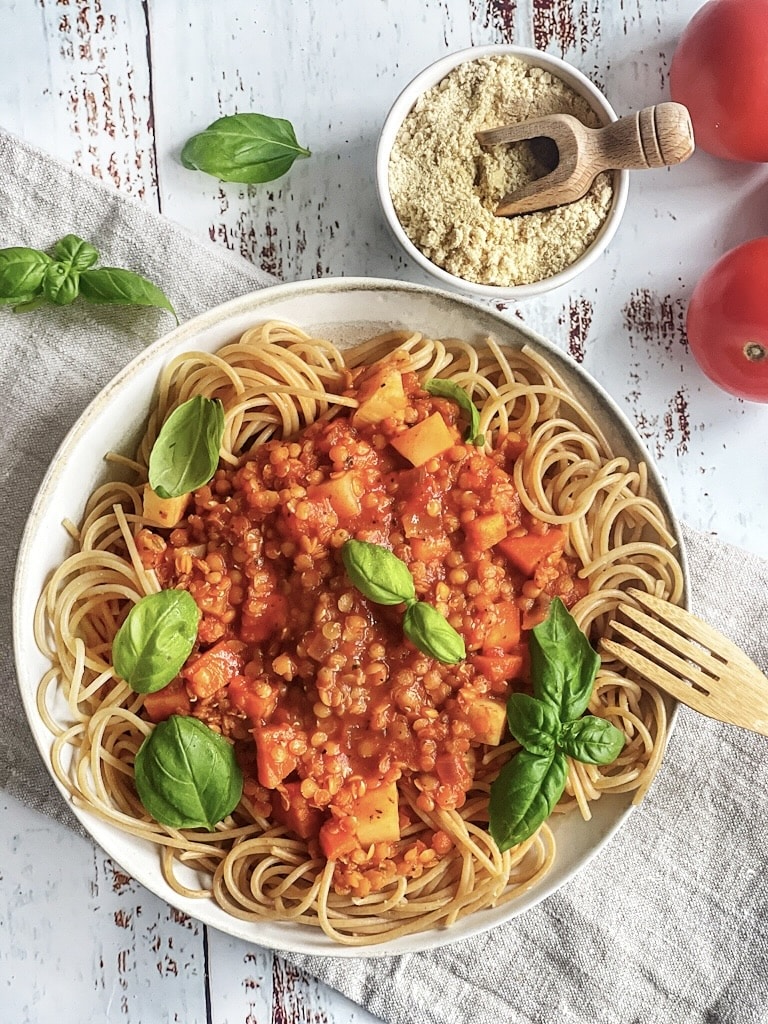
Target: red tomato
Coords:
[(720, 72), (727, 321)]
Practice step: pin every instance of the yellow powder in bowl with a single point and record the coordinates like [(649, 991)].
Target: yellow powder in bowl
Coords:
[(445, 188)]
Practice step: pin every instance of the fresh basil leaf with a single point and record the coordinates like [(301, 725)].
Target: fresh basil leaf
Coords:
[(534, 724), (432, 634), (26, 305), (563, 664), (75, 252), (377, 573), (524, 795), (16, 300), (155, 640), (592, 740), (450, 389), (186, 452), (21, 272), (61, 284), (248, 148), (187, 775), (113, 286)]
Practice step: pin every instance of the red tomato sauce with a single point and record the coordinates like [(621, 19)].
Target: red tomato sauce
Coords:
[(326, 701)]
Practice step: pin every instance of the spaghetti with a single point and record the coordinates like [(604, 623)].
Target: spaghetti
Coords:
[(275, 383)]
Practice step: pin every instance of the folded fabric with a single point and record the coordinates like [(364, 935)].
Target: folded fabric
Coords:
[(52, 366), (668, 923)]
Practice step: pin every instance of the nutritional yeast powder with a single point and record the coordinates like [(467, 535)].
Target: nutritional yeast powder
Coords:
[(445, 187)]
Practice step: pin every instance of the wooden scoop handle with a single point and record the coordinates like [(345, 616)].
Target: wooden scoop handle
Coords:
[(656, 136)]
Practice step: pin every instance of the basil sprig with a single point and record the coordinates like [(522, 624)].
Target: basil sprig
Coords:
[(186, 452), (383, 578), (450, 389), (29, 278), (155, 640), (187, 775), (549, 727), (248, 148)]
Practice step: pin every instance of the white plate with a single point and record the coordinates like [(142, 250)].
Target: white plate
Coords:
[(345, 310)]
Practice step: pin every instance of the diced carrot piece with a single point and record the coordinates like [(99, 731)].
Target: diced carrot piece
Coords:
[(427, 549), (377, 815), (424, 440), (268, 620), (274, 760), (526, 552), (173, 699), (292, 809), (211, 671), (250, 696), (343, 492), (505, 634), (166, 512), (453, 771), (498, 668), (487, 718), (335, 842), (380, 396), (485, 531)]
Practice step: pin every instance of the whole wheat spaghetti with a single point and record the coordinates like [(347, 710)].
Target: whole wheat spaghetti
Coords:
[(276, 382)]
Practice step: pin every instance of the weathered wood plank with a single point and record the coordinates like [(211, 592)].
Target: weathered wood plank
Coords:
[(77, 84), (80, 940)]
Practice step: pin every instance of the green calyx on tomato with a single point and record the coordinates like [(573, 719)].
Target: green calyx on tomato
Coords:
[(727, 321)]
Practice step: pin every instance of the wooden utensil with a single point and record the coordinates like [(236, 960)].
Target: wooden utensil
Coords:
[(691, 661), (657, 136)]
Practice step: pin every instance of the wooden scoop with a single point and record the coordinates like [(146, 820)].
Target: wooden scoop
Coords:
[(657, 136)]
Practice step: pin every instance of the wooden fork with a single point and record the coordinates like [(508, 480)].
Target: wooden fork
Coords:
[(691, 661)]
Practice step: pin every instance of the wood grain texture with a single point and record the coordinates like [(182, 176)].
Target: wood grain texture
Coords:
[(82, 90), (116, 87)]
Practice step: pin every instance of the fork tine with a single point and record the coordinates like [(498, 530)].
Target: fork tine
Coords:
[(731, 687), (659, 630), (673, 684), (646, 643), (692, 627)]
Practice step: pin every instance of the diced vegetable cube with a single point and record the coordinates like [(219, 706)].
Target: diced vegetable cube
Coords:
[(498, 668), (343, 492), (165, 512), (380, 396), (424, 440), (212, 670), (292, 809), (173, 699), (485, 531), (335, 841), (428, 549), (488, 717), (504, 636), (274, 760), (526, 552), (377, 815)]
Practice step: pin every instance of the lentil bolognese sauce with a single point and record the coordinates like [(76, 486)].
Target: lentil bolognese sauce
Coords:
[(366, 762)]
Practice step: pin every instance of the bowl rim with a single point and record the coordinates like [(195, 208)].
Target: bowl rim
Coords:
[(402, 106), (107, 835)]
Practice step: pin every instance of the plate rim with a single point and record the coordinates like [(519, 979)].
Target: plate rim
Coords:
[(100, 831)]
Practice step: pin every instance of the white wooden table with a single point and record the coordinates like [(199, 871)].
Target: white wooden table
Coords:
[(115, 87)]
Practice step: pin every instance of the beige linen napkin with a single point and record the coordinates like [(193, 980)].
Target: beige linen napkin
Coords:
[(669, 923)]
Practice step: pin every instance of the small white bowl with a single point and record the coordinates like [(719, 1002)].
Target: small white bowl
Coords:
[(404, 104)]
